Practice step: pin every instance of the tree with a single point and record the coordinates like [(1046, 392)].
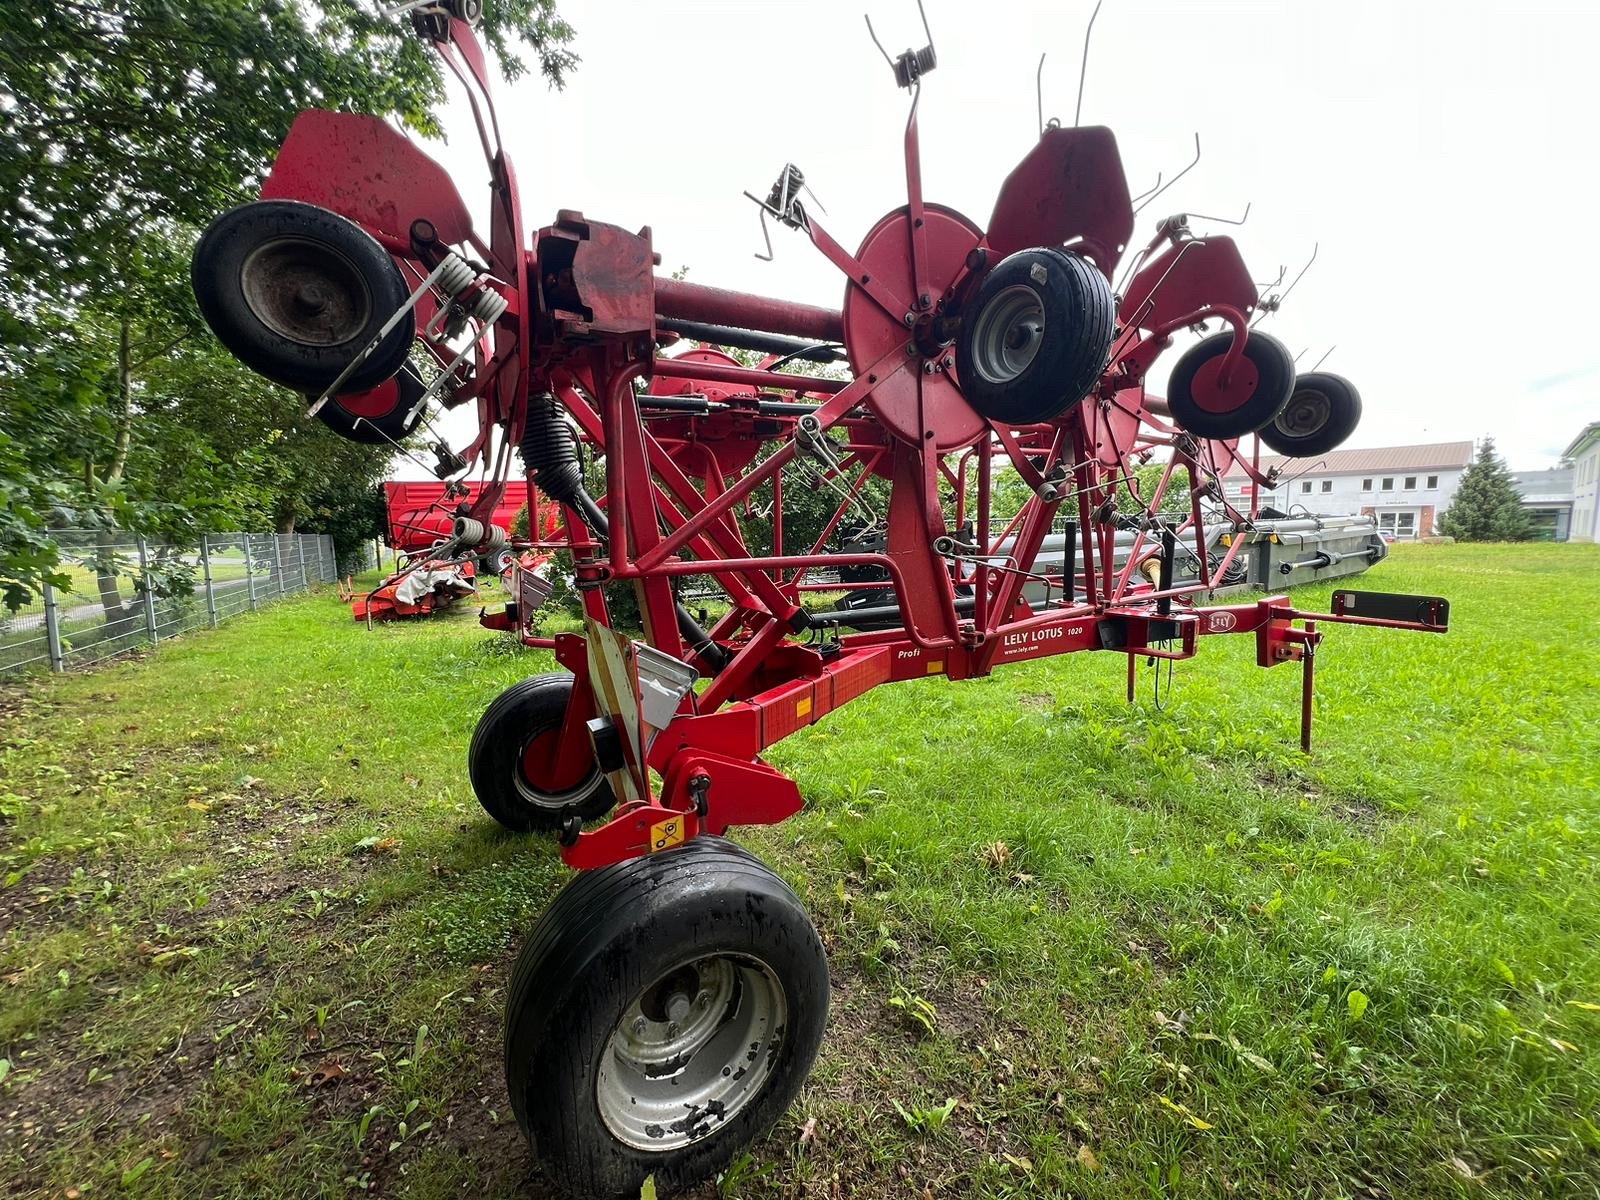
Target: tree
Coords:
[(1487, 506), (128, 125)]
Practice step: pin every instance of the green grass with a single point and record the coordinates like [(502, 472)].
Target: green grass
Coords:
[(257, 931)]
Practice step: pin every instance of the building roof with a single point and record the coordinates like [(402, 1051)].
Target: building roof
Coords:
[(1436, 455), (1544, 487), (1590, 432)]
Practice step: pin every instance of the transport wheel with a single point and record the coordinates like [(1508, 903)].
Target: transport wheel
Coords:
[(515, 760), (1323, 411), (296, 292), (386, 414), (1036, 336), (662, 1014), (1254, 395)]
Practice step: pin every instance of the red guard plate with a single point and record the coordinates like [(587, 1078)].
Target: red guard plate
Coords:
[(1186, 278), (870, 333), (360, 168), (1070, 185)]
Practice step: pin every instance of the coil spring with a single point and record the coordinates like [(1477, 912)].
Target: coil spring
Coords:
[(549, 453), (455, 275), (489, 306), (470, 531)]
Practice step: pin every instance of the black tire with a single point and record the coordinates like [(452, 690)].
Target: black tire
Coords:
[(296, 292), (399, 423), (1323, 410), (1036, 337), (496, 760), (1257, 406), (615, 939)]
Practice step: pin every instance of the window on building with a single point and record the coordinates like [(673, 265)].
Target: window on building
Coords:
[(1411, 482), (1306, 486), (1327, 485), (1433, 481), (1405, 524), (1388, 485), (1366, 485)]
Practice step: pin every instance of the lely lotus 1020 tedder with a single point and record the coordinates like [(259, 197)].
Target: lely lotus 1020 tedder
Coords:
[(669, 1003)]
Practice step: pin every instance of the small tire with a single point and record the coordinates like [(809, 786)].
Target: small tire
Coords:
[(1322, 412), (386, 414), (295, 292), (1251, 401), (513, 754), (1036, 336), (609, 1093)]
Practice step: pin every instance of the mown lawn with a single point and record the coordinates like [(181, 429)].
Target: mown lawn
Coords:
[(256, 931)]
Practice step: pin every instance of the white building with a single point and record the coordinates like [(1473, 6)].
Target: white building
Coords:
[(1547, 499), (1405, 487), (1584, 455)]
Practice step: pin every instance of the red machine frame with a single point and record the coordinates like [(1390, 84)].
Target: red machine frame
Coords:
[(584, 320)]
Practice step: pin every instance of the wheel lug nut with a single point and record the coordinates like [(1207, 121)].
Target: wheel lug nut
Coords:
[(703, 1000), (640, 1025), (672, 1029)]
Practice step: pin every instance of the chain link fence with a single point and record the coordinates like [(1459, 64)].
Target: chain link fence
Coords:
[(129, 592)]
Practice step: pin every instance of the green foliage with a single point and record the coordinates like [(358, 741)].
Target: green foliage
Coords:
[(127, 126), (1487, 506), (1175, 500), (1154, 981)]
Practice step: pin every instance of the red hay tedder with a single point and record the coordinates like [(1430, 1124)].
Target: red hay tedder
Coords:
[(668, 1004)]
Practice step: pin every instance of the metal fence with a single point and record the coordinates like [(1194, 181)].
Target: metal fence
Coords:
[(129, 592)]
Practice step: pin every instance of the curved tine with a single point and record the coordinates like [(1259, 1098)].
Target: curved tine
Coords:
[(1245, 216), (874, 34), (1267, 287), (1038, 93), (1324, 357), (1152, 190), (1176, 177), (1277, 301), (1083, 69), (926, 32)]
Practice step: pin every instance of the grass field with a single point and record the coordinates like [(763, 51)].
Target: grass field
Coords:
[(256, 931)]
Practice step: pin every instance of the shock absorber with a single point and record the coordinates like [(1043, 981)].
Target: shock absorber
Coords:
[(550, 456)]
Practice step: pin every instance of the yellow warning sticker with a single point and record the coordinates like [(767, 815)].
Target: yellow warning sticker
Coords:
[(666, 833), (936, 666), (803, 707)]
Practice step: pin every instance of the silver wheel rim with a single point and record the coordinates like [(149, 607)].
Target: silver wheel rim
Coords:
[(1008, 334), (693, 1050), (543, 799), (1307, 412), (305, 291)]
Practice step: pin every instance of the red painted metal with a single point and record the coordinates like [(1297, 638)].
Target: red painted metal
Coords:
[(683, 488)]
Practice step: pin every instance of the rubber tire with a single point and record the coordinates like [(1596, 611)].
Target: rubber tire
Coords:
[(1344, 405), (608, 935), (1272, 361), (216, 273), (383, 430), (494, 758), (1079, 323)]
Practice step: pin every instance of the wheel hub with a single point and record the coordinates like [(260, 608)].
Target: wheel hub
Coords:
[(694, 1048), (1307, 412), (306, 291)]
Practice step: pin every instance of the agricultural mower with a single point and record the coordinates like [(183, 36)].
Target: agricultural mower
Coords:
[(667, 1006)]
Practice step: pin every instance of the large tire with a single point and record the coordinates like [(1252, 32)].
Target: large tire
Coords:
[(1036, 337), (1323, 411), (1255, 395), (381, 417), (296, 292), (511, 760), (607, 1090)]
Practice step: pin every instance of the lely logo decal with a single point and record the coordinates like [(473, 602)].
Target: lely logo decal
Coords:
[(1221, 622)]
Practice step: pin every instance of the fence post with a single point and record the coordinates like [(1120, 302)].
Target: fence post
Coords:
[(149, 596), (277, 557), (301, 539), (205, 565), (52, 630), (333, 558), (249, 572)]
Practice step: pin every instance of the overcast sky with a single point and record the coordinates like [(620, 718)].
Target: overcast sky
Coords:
[(1442, 154)]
